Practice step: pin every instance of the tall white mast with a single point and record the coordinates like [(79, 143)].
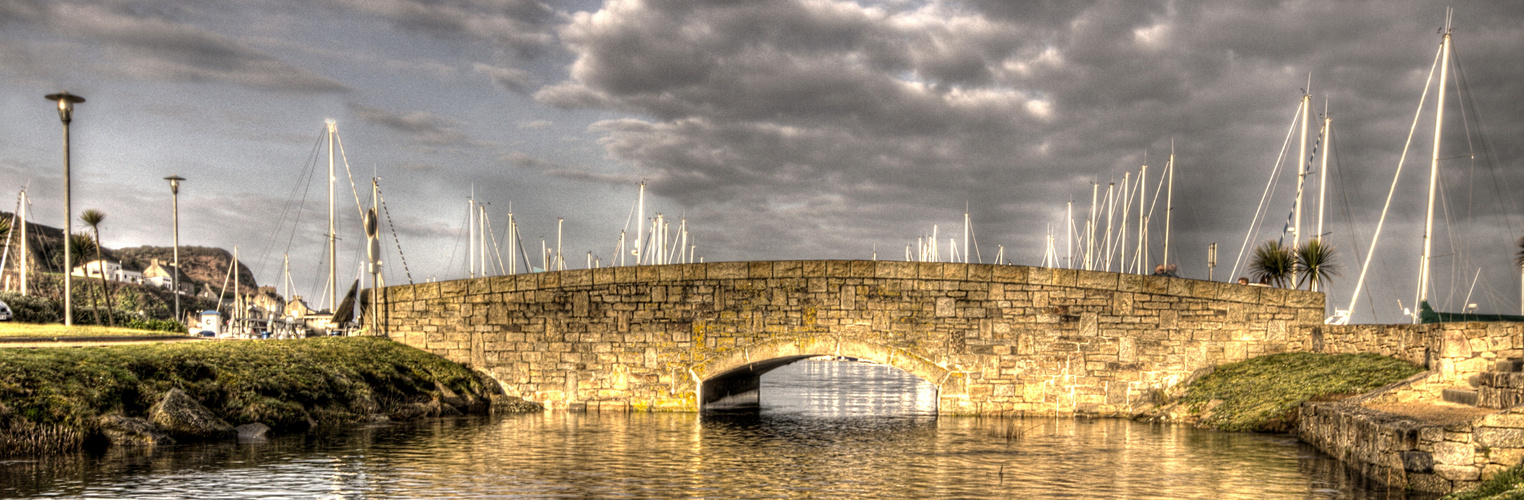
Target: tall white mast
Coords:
[(513, 261), (1323, 167), (1111, 211), (333, 234), (1122, 238), (1069, 235), (1141, 253), (471, 234), (640, 218), (1169, 202), (237, 295), (1428, 225), (1095, 191), (560, 262), (287, 283), (965, 232), (1301, 167), (25, 250)]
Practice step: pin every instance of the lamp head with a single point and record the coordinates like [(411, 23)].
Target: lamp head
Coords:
[(66, 103), (174, 183)]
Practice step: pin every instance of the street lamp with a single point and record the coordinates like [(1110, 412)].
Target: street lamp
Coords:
[(174, 189), (66, 102)]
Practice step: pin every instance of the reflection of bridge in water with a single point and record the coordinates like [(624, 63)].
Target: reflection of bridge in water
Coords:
[(991, 338)]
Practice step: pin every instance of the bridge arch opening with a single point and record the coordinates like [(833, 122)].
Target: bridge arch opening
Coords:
[(733, 383)]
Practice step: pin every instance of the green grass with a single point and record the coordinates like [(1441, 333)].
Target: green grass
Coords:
[(13, 329), (61, 392), (1507, 485), (1261, 394)]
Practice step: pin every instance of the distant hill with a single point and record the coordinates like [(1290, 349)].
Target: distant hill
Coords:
[(203, 265)]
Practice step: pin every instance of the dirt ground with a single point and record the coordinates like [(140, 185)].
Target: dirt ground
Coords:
[(1439, 413)]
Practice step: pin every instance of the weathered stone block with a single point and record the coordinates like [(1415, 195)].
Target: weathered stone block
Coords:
[(1499, 437), (1452, 453), (1009, 274), (1417, 461)]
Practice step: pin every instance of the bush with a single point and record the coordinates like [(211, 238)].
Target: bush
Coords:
[(158, 325), (33, 308)]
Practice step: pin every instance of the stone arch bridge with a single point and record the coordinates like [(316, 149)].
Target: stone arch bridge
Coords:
[(992, 338)]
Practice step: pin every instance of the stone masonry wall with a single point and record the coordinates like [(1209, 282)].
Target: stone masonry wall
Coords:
[(1403, 451), (994, 339)]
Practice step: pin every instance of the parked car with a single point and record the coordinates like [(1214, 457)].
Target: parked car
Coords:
[(5, 312)]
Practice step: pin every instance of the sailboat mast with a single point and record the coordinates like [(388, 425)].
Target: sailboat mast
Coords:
[(1069, 235), (513, 263), (471, 234), (1095, 191), (965, 233), (1301, 168), (237, 293), (1169, 203), (1428, 224), (1140, 254), (26, 250), (1323, 168), (333, 235), (640, 217)]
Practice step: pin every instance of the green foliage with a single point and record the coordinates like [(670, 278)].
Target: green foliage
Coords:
[(1263, 393), (283, 384), (1273, 262), (158, 325), (1317, 263), (1507, 485), (32, 308)]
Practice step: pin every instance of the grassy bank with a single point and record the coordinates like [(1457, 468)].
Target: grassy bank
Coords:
[(53, 399), (1263, 393), (13, 329)]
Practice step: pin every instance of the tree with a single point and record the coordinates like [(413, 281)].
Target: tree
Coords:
[(1316, 264), (1273, 262), (94, 218), (80, 247)]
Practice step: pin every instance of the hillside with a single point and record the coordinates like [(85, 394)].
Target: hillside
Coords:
[(201, 265)]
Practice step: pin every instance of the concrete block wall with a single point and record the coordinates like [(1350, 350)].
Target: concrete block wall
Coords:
[(994, 339)]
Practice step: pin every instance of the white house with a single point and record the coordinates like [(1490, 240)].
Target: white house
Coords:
[(113, 271)]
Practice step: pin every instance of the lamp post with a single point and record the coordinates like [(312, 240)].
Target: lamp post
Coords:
[(174, 190), (66, 102)]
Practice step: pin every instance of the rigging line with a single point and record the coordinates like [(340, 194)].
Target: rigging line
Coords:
[(1349, 215), (1263, 208), (306, 190), (286, 209), (359, 212), (1456, 256), (456, 245), (519, 238), (1489, 155), (501, 269), (626, 229), (1360, 283), (395, 240)]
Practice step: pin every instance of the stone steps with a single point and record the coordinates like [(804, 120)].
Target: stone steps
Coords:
[(1501, 388), (1461, 396)]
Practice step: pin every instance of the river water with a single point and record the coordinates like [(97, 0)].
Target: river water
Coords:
[(827, 429)]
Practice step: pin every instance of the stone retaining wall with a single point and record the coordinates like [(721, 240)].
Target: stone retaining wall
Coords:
[(994, 339), (1406, 452)]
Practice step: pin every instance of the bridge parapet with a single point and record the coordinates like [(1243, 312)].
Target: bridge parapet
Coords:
[(994, 339)]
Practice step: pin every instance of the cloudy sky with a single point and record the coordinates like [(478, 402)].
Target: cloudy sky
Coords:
[(788, 129)]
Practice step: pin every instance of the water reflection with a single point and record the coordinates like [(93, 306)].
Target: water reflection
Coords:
[(897, 449)]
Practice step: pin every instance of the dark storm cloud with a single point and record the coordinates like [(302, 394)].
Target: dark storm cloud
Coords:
[(148, 44), (423, 128), (522, 27), (797, 121)]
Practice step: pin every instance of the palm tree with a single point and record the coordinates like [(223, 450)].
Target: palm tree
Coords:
[(1519, 259), (80, 247), (1273, 262), (94, 218), (1316, 264)]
